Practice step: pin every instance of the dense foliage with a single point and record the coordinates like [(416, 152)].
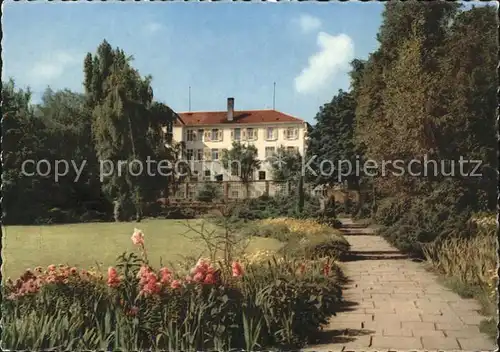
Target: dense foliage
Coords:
[(115, 119), (428, 93)]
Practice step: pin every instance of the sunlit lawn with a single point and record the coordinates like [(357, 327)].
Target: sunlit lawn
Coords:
[(85, 244)]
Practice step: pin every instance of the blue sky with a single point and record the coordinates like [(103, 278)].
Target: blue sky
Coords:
[(219, 49)]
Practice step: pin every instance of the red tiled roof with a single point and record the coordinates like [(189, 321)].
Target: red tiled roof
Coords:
[(220, 117)]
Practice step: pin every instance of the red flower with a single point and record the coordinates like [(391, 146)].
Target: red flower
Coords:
[(113, 279), (326, 269), (166, 275), (237, 269), (198, 277), (175, 284), (209, 279)]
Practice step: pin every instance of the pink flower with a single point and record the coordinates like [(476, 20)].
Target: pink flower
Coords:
[(73, 271), (198, 277), (113, 279), (209, 279), (175, 284), (38, 269), (237, 269), (138, 237), (143, 271), (189, 279), (165, 275), (51, 267)]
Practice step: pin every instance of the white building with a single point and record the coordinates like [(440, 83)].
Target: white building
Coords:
[(206, 134)]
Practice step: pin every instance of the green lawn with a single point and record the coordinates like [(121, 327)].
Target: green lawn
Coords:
[(85, 244)]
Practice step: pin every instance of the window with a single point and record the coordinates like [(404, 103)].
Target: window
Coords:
[(291, 133), (192, 194), (262, 175), (215, 154), (237, 134), (207, 154), (271, 134), (251, 134), (235, 194), (207, 173), (216, 135), (234, 170), (292, 149), (199, 154), (270, 152), (189, 154), (191, 135), (200, 135)]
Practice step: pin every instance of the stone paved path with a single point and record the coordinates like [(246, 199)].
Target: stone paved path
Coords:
[(393, 303)]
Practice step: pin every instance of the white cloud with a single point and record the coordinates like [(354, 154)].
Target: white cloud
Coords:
[(52, 67), (153, 27), (309, 23), (334, 55)]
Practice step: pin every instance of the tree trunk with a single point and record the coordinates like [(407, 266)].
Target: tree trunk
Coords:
[(117, 210)]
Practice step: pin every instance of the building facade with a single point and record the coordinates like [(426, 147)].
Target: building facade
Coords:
[(204, 135)]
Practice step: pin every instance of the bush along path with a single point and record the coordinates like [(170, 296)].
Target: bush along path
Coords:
[(394, 303)]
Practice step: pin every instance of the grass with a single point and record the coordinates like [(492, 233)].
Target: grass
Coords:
[(468, 267), (84, 245)]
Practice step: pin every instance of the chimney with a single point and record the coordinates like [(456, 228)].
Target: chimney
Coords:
[(230, 109)]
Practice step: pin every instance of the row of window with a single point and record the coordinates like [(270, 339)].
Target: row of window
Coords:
[(214, 154), (207, 175), (239, 134)]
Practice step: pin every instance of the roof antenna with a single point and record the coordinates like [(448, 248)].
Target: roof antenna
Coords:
[(189, 98), (274, 95)]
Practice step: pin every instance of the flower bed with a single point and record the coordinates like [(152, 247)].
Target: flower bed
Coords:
[(243, 304), (308, 239)]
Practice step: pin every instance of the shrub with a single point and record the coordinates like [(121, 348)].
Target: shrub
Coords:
[(306, 238), (468, 263), (270, 207), (319, 246), (208, 193)]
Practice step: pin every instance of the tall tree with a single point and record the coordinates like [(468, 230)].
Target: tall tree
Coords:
[(286, 165), (125, 124), (242, 161), (331, 140)]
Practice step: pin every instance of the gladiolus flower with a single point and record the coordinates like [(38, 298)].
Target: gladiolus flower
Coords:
[(198, 277), (51, 267), (138, 237), (113, 279), (237, 269), (73, 271), (166, 275), (189, 279), (209, 279), (175, 284), (38, 269)]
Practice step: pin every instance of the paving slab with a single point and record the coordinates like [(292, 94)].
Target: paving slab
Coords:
[(400, 306)]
